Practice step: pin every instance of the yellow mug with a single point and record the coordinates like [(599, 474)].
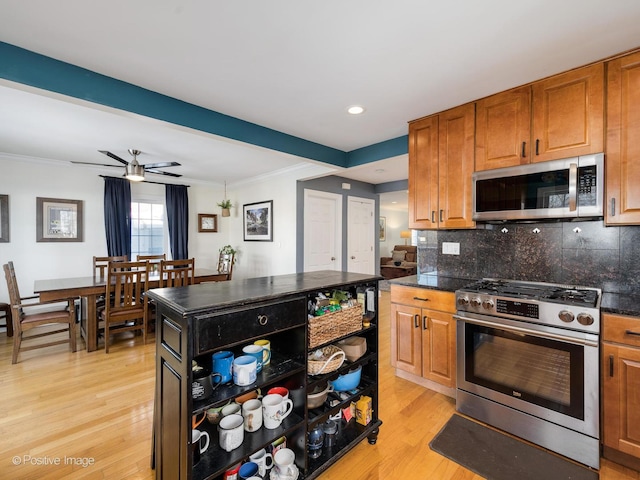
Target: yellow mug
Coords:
[(266, 344)]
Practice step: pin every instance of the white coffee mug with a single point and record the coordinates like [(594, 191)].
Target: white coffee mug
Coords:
[(245, 369), (230, 409), (197, 436), (283, 460), (264, 461), (252, 413), (231, 432), (275, 409)]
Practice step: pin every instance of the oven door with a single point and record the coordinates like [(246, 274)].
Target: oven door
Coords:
[(543, 371)]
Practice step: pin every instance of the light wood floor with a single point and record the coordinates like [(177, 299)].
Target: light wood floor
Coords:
[(56, 406)]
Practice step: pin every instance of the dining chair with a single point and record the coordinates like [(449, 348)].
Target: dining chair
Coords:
[(5, 312), (101, 264), (225, 264), (125, 302), (177, 273), (154, 260), (26, 318)]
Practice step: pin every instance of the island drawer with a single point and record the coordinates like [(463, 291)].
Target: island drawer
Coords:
[(424, 298), (231, 327)]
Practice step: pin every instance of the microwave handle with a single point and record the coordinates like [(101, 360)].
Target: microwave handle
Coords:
[(573, 186)]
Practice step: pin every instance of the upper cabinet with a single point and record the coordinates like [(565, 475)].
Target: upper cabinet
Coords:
[(559, 117), (623, 141), (441, 162)]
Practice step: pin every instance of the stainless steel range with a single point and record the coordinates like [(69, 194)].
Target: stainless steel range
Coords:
[(528, 362)]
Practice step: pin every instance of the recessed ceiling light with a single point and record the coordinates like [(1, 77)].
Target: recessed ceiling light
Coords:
[(355, 109)]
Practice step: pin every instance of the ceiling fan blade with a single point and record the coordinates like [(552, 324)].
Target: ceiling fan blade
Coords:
[(97, 164), (160, 165), (160, 172), (115, 157)]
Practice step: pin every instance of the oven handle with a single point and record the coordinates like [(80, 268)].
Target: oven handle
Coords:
[(554, 336)]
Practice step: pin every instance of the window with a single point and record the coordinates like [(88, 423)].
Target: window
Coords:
[(147, 228)]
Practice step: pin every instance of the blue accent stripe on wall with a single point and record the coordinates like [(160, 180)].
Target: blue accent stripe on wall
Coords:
[(379, 151)]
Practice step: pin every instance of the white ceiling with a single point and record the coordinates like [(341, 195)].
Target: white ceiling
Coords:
[(291, 66)]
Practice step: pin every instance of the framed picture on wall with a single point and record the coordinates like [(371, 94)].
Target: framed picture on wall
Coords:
[(58, 220), (383, 229), (4, 218), (207, 222), (258, 221)]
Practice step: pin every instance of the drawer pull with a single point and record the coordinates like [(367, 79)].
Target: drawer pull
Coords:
[(611, 365), (631, 332), (421, 299), (263, 319)]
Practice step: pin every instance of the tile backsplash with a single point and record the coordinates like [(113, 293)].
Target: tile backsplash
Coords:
[(579, 253)]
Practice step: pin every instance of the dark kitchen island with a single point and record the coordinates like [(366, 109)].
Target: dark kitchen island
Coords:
[(195, 322)]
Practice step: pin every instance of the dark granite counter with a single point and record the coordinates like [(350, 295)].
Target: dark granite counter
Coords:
[(206, 297), (620, 304), (433, 282)]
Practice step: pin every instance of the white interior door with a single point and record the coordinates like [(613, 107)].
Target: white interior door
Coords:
[(361, 235), (322, 231)]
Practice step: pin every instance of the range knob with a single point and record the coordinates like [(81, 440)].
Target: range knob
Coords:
[(463, 301), (487, 304), (585, 319), (475, 302), (566, 316)]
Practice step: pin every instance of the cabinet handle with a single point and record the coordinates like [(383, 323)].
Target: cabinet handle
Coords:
[(433, 216), (424, 323), (416, 320), (441, 220), (421, 299), (613, 207), (263, 319), (631, 332), (523, 149), (611, 365), (537, 146)]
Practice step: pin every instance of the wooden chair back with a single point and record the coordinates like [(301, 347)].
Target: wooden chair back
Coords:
[(126, 302), (25, 319), (177, 273), (101, 264)]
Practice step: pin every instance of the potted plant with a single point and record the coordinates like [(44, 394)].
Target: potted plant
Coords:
[(225, 205), (227, 258)]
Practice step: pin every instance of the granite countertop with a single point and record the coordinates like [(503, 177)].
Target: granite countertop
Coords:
[(616, 303)]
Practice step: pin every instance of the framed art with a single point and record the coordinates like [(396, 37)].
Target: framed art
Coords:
[(207, 222), (58, 220), (383, 229), (4, 218), (258, 221)]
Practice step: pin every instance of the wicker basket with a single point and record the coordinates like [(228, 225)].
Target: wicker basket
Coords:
[(333, 325), (332, 359)]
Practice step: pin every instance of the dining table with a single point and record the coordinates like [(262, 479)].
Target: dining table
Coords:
[(90, 287)]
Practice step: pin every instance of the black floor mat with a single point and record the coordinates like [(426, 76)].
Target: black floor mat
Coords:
[(496, 456)]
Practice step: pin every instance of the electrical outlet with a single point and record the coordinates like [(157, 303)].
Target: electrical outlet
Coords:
[(451, 248)]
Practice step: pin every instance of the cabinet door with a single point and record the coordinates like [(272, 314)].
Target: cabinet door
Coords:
[(456, 152), (406, 343), (503, 129), (623, 141), (423, 173), (439, 347), (621, 398), (568, 114)]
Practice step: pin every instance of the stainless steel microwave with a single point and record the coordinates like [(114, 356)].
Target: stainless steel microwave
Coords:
[(568, 188)]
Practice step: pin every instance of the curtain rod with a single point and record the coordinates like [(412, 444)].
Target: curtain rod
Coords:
[(148, 181)]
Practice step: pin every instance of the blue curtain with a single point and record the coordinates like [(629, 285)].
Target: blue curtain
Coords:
[(178, 220), (117, 216)]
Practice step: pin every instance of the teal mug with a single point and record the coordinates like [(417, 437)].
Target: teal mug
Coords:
[(258, 352)]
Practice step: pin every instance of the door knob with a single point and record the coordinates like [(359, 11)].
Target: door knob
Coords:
[(353, 258), (333, 259)]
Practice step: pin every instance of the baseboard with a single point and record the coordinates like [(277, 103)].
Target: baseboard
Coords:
[(431, 385), (621, 458)]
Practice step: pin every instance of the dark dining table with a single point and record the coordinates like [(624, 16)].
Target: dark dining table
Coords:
[(89, 288)]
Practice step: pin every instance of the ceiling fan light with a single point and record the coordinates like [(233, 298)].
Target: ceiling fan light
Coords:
[(134, 172)]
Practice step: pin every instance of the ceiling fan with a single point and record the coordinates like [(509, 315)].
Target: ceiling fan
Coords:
[(134, 171)]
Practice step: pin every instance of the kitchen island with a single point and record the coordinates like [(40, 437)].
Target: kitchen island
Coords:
[(197, 321)]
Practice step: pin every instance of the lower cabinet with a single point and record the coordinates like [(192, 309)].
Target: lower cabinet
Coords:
[(423, 334), (621, 389), (188, 399)]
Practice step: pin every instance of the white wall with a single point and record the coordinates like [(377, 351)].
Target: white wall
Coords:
[(396, 222), (25, 180)]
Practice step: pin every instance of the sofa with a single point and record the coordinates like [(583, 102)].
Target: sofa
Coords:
[(407, 255)]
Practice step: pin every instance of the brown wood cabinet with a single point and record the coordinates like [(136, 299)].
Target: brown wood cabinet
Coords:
[(623, 141), (423, 333), (561, 116), (441, 161), (621, 389)]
